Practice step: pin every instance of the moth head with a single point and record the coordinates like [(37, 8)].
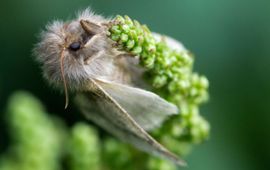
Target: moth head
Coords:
[(66, 50)]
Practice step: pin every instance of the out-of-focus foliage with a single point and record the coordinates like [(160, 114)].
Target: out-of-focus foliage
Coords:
[(83, 148), (40, 141), (37, 139)]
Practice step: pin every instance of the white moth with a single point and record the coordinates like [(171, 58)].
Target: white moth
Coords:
[(79, 57)]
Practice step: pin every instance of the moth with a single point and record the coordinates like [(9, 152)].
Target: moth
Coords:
[(80, 58)]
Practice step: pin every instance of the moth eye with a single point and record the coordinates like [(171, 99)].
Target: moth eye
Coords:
[(75, 46)]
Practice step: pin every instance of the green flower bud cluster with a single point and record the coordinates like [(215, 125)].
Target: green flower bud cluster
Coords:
[(83, 149), (36, 139), (42, 142), (171, 75), (134, 38), (117, 155), (160, 164), (121, 156)]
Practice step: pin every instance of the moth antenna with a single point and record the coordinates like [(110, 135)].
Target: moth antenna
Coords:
[(63, 78)]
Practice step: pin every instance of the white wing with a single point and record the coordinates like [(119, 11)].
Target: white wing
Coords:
[(146, 108), (101, 108)]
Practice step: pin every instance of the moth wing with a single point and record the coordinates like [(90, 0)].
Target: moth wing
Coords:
[(146, 108), (106, 112)]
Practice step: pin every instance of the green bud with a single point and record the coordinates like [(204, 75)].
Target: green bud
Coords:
[(128, 21), (115, 29), (125, 28), (204, 82), (149, 62), (119, 19), (159, 81), (151, 48), (130, 44), (133, 34), (124, 37), (137, 50), (84, 149), (146, 29), (115, 37)]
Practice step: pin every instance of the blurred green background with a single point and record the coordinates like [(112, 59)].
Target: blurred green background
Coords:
[(230, 39)]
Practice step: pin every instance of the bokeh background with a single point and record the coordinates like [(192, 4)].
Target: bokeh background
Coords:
[(230, 39)]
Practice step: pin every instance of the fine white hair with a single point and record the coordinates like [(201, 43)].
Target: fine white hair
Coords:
[(54, 39)]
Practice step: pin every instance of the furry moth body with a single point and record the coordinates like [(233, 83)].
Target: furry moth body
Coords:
[(79, 57)]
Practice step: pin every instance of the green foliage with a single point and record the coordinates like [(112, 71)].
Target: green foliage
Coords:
[(36, 138), (43, 142), (118, 156), (171, 75), (83, 148)]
